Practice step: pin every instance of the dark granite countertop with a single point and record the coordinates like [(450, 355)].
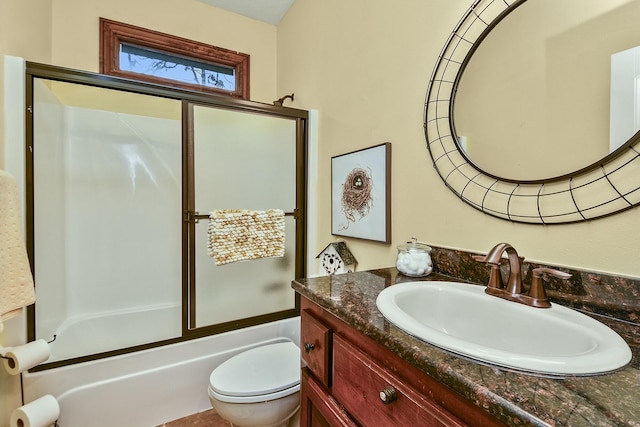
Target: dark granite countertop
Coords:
[(515, 398)]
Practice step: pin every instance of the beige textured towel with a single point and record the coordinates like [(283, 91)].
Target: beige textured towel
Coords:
[(16, 282), (239, 235)]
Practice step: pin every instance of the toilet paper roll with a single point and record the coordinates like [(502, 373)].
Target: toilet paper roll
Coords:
[(23, 357), (41, 412)]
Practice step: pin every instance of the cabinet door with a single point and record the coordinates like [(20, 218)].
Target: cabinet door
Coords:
[(318, 408), (315, 344), (373, 396)]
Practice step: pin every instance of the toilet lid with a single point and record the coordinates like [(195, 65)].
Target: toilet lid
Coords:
[(261, 370)]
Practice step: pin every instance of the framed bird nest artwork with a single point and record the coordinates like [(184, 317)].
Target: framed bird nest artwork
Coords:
[(361, 194)]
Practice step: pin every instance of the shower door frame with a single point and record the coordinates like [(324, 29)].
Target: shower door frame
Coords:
[(189, 217)]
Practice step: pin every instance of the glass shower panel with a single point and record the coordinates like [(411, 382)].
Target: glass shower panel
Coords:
[(107, 218), (243, 161)]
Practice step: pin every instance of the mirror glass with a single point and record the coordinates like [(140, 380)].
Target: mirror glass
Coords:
[(553, 88)]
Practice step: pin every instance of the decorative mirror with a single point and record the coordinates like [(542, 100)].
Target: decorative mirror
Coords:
[(490, 134)]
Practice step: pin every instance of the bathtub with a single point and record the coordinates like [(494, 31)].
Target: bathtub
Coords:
[(149, 387), (82, 335)]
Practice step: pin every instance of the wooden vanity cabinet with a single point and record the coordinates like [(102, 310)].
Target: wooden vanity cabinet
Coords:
[(318, 408), (351, 380)]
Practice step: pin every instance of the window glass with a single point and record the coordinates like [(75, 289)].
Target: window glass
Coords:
[(159, 64)]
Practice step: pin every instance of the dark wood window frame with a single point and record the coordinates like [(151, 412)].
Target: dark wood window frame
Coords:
[(113, 34)]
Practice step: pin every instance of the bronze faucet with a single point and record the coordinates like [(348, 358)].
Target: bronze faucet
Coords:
[(514, 283), (514, 291)]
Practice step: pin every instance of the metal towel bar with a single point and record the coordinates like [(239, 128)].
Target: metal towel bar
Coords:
[(191, 216)]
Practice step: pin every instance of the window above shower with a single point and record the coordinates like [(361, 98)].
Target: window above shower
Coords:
[(150, 56)]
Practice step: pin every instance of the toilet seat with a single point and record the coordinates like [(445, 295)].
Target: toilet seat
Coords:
[(263, 373)]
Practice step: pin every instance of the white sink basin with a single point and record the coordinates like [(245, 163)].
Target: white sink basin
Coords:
[(463, 319)]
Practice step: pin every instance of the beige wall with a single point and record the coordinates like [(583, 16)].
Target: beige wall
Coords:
[(25, 31), (366, 70), (76, 37)]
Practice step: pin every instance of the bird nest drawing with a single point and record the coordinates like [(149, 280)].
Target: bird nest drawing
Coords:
[(357, 199), (360, 193)]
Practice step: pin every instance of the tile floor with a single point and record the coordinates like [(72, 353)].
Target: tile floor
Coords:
[(208, 418)]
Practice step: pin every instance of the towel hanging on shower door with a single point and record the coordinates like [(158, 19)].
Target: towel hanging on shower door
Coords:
[(16, 282), (238, 235)]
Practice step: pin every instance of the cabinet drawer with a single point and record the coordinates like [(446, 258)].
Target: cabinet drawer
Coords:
[(360, 385), (315, 347)]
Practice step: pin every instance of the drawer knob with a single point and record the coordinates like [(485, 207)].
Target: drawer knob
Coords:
[(388, 395), (309, 346)]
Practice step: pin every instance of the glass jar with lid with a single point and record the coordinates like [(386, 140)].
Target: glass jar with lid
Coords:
[(414, 259)]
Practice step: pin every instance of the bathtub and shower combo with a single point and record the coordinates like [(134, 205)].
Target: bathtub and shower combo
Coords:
[(119, 182)]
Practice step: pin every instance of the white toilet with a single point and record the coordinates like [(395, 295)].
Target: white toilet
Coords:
[(259, 387)]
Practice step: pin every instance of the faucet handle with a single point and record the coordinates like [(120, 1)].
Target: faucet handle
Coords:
[(537, 291), (551, 272), (495, 277)]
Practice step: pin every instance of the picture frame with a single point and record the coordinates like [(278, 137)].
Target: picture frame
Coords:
[(361, 194)]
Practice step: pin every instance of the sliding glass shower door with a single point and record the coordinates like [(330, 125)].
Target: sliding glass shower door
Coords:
[(242, 161), (121, 181), (106, 197)]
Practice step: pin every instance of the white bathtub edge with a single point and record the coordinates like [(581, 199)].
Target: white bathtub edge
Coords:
[(149, 387)]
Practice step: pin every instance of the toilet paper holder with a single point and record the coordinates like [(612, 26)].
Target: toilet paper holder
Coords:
[(3, 350), (11, 362), (43, 411)]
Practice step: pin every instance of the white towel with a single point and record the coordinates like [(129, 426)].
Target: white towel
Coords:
[(16, 282), (238, 235)]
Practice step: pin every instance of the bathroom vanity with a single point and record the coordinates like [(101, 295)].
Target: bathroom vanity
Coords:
[(360, 370), (346, 369)]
